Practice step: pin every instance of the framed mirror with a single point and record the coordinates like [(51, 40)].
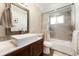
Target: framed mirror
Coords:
[(19, 19)]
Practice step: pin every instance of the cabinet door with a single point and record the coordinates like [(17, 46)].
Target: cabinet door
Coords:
[(25, 51), (37, 48)]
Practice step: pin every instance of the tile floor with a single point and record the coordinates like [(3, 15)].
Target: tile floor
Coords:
[(56, 53)]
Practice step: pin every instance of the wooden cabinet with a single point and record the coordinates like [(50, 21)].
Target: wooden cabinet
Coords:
[(34, 49), (37, 48), (20, 52)]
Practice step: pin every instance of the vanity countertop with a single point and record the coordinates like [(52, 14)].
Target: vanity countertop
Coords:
[(7, 46), (23, 36)]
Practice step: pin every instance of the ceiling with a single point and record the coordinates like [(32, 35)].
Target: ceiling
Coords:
[(45, 7)]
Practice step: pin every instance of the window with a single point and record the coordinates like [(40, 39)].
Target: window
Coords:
[(57, 19), (53, 20), (60, 19)]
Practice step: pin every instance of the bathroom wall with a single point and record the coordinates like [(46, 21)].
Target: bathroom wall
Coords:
[(62, 31), (77, 16), (35, 19), (77, 24), (2, 29), (45, 26)]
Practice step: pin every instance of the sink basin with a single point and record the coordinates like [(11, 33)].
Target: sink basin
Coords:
[(20, 40)]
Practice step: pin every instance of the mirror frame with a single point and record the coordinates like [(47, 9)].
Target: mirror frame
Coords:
[(8, 30)]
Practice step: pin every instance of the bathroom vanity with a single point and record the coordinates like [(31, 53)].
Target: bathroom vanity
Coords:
[(22, 45), (33, 49)]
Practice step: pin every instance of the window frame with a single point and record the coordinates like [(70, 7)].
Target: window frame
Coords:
[(56, 19)]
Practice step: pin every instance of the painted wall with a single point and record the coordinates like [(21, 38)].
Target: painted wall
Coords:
[(45, 26), (77, 16), (35, 19), (2, 29), (77, 24)]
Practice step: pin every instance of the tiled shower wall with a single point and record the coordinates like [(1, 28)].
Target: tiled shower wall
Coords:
[(62, 31)]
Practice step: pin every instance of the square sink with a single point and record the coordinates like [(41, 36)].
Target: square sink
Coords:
[(24, 39)]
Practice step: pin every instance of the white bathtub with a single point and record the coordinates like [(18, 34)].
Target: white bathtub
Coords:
[(60, 45)]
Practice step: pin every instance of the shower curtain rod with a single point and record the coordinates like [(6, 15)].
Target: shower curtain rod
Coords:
[(58, 8)]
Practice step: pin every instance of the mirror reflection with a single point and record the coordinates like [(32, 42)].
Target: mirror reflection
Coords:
[(19, 19)]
